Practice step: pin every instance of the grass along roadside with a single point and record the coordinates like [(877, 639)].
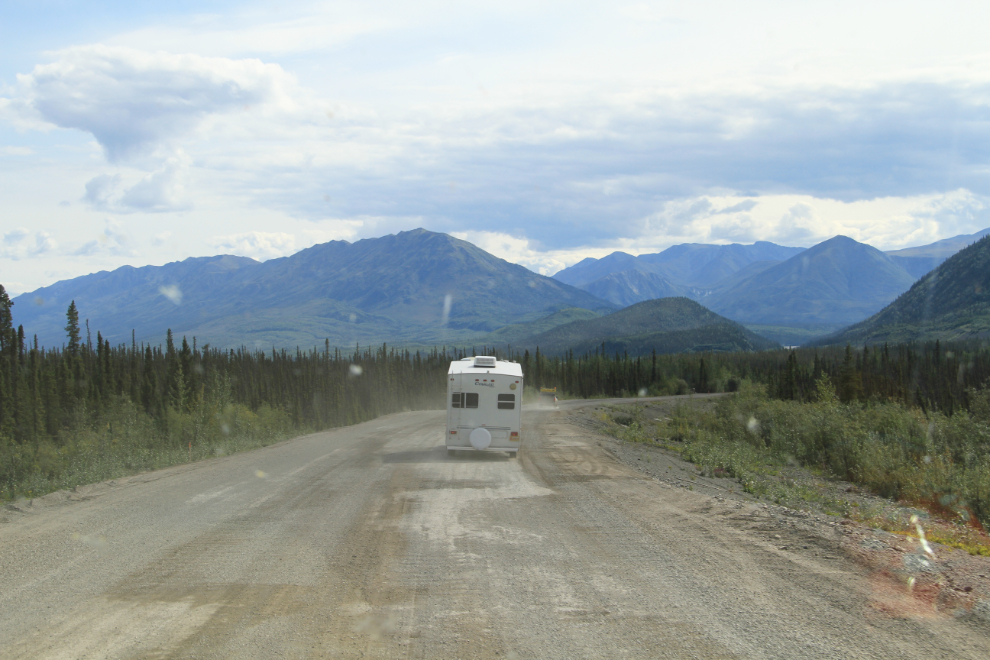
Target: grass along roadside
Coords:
[(879, 464), (123, 441)]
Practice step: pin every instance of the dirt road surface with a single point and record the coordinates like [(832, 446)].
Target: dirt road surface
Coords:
[(369, 541)]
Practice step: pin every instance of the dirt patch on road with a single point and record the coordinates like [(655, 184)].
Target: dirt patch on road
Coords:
[(911, 575)]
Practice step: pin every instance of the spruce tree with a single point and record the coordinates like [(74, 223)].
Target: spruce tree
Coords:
[(72, 329), (8, 365)]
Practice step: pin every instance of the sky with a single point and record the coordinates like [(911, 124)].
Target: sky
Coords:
[(544, 132)]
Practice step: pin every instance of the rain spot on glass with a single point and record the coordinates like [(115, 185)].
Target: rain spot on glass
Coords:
[(353, 318), (753, 425), (225, 429), (921, 537), (260, 474), (355, 370), (39, 301), (448, 300), (172, 292), (642, 391)]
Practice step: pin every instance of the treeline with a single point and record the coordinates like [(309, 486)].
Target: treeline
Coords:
[(88, 411), (42, 391), (931, 376)]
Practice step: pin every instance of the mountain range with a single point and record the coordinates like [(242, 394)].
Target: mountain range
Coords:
[(412, 287), (950, 302), (420, 288), (838, 281), (699, 270), (691, 266), (789, 294)]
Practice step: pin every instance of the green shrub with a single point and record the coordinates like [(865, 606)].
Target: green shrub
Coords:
[(895, 451)]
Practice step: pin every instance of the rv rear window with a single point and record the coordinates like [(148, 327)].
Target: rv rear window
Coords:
[(506, 401), (464, 400)]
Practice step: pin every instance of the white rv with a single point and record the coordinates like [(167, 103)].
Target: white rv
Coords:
[(484, 405)]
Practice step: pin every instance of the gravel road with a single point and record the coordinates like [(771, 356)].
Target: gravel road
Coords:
[(369, 541)]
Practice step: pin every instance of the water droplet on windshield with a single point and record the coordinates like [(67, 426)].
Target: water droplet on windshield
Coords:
[(172, 292)]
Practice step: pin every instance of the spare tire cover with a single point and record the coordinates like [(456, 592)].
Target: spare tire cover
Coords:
[(481, 438)]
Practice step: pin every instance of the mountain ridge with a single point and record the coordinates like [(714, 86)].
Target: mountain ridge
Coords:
[(838, 280), (667, 325), (391, 288), (951, 302)]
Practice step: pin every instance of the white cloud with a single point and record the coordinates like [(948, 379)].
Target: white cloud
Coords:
[(887, 223), (16, 235), (100, 189), (552, 131), (256, 244), (160, 238), (160, 191), (17, 244), (798, 226), (111, 241), (134, 101), (793, 220), (526, 253)]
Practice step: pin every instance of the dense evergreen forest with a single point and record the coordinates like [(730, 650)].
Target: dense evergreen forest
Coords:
[(87, 410), (928, 375)]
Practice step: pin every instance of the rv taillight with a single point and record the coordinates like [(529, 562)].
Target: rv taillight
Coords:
[(453, 432), (515, 434)]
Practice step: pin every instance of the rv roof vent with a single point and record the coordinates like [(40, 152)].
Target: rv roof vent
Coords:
[(484, 362)]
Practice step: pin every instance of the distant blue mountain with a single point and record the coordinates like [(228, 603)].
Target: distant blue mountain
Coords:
[(923, 259), (388, 289), (836, 281), (691, 270)]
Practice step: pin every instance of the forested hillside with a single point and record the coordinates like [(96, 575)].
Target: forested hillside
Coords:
[(951, 302), (664, 325), (95, 411)]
